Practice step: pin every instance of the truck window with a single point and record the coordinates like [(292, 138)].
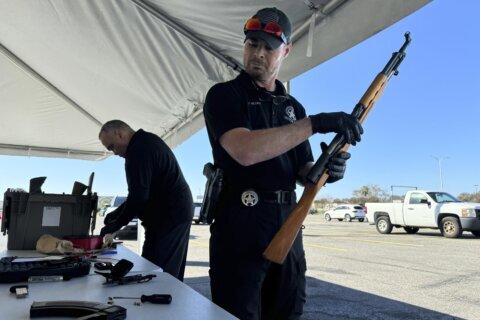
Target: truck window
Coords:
[(416, 198), (442, 197)]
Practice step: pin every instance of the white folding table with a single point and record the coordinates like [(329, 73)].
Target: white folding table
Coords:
[(186, 302)]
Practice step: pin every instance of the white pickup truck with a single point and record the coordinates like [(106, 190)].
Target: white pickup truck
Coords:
[(426, 209)]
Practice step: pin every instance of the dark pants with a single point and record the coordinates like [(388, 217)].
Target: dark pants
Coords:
[(242, 281), (167, 247)]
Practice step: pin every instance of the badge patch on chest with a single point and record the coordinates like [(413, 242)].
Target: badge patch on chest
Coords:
[(249, 198), (290, 114)]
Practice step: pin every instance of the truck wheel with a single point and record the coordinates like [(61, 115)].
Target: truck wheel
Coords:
[(383, 225), (348, 218), (451, 228), (327, 217), (411, 230), (475, 233), (360, 219)]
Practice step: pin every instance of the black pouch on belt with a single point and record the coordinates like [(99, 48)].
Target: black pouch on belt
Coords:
[(213, 187)]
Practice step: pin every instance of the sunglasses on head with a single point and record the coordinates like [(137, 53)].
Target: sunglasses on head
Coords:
[(273, 28)]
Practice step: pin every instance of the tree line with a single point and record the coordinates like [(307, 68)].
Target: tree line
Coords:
[(373, 193)]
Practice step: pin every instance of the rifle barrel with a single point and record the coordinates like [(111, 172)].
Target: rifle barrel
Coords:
[(397, 58)]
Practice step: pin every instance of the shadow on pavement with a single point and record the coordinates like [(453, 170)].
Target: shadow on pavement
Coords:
[(330, 301), (199, 284), (327, 301)]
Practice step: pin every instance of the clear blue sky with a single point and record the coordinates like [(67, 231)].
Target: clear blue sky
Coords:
[(431, 109)]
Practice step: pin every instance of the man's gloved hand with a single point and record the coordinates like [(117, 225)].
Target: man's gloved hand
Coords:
[(109, 228), (111, 217), (107, 240), (338, 122), (337, 164)]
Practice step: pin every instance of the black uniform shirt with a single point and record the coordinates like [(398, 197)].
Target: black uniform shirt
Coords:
[(156, 186), (240, 103)]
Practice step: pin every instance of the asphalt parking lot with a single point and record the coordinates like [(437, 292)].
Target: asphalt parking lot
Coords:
[(356, 273)]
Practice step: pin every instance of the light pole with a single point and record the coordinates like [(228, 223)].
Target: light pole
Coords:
[(476, 188), (439, 159)]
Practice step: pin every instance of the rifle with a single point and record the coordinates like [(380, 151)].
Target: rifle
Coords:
[(281, 243)]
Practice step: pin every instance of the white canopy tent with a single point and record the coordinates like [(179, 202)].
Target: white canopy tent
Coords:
[(66, 67)]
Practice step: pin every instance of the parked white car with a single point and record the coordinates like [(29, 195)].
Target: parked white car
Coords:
[(196, 212), (347, 212), (116, 202)]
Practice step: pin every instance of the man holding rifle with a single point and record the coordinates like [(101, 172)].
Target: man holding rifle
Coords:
[(259, 137)]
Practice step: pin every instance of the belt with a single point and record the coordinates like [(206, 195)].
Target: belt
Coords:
[(250, 197)]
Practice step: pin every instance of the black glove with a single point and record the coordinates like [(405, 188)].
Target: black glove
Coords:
[(338, 122), (109, 228), (336, 165), (111, 217)]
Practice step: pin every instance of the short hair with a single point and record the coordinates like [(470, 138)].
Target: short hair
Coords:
[(113, 125)]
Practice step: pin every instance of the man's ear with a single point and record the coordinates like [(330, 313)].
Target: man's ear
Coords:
[(286, 51)]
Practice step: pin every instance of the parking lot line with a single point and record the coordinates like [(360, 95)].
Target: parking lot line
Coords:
[(345, 233), (384, 242), (311, 245), (333, 230), (205, 244), (199, 243)]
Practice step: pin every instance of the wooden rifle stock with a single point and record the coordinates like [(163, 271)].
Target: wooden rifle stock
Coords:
[(281, 243)]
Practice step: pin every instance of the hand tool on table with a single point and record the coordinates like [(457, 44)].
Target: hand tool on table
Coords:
[(152, 298)]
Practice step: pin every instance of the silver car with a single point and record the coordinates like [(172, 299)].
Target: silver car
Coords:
[(347, 212)]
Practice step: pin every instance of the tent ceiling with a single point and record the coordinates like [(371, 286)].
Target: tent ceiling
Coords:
[(69, 66)]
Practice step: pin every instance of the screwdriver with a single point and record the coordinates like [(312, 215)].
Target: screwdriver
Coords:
[(152, 298)]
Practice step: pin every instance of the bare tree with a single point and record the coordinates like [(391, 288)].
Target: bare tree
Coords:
[(370, 193), (469, 197)]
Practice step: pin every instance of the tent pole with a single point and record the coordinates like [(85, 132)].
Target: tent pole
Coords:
[(229, 61), (322, 13), (36, 76), (197, 112)]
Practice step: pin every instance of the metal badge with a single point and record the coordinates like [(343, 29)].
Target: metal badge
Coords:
[(249, 198)]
